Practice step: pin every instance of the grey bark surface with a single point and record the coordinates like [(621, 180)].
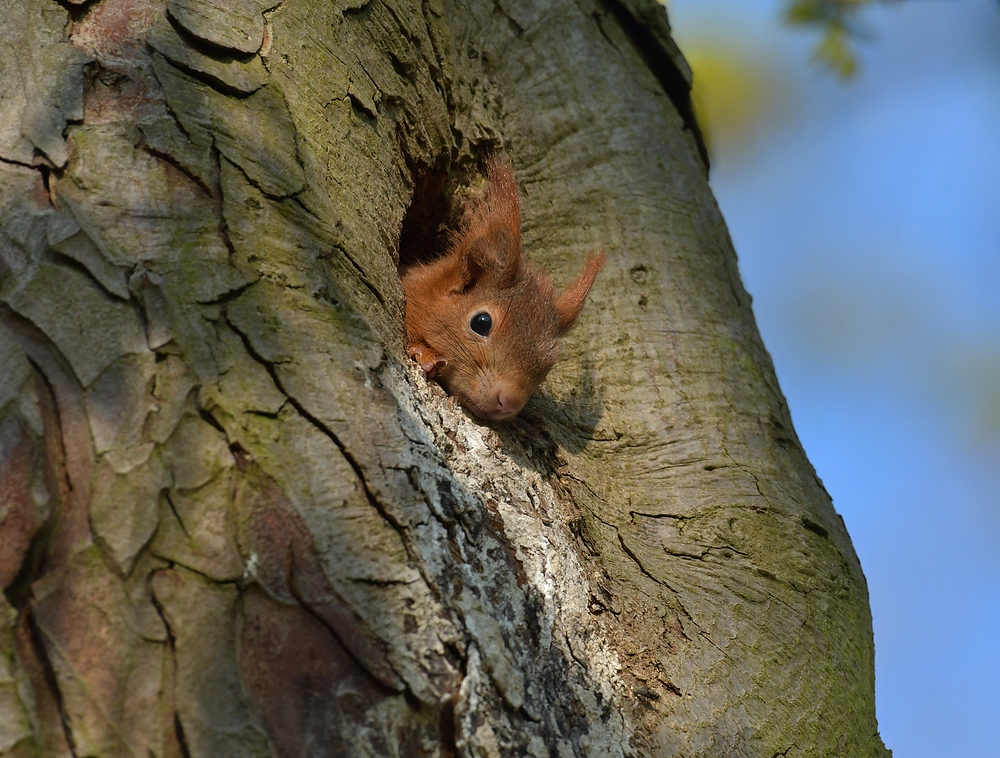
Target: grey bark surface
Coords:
[(236, 521)]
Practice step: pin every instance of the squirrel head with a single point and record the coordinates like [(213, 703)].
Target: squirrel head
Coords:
[(486, 323)]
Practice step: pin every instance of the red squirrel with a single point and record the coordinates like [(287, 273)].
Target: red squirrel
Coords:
[(480, 319)]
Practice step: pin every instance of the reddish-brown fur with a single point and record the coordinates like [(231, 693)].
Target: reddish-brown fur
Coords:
[(483, 270)]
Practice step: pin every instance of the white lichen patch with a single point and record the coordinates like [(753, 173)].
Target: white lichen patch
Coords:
[(487, 485)]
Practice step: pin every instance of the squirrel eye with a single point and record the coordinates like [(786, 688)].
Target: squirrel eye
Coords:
[(481, 324)]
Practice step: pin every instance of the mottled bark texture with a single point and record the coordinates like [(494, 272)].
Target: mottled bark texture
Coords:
[(235, 521)]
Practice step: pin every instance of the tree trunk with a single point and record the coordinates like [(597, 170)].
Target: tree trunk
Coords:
[(235, 520)]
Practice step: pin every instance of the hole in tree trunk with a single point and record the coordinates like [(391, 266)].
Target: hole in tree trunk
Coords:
[(424, 233)]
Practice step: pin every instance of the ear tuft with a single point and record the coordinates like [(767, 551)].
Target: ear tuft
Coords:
[(489, 244), (570, 302), (503, 204)]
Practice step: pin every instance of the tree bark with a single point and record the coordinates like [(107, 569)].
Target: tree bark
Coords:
[(236, 521)]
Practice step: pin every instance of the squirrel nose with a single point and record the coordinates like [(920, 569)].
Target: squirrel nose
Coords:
[(506, 403)]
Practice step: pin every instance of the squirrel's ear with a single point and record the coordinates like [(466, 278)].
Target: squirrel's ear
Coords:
[(493, 254), (472, 263), (500, 223), (503, 203), (570, 302), (490, 241)]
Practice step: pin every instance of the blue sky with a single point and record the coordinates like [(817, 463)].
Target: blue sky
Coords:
[(866, 217)]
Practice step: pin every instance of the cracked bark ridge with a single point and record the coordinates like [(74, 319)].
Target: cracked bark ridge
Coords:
[(41, 84), (237, 521)]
